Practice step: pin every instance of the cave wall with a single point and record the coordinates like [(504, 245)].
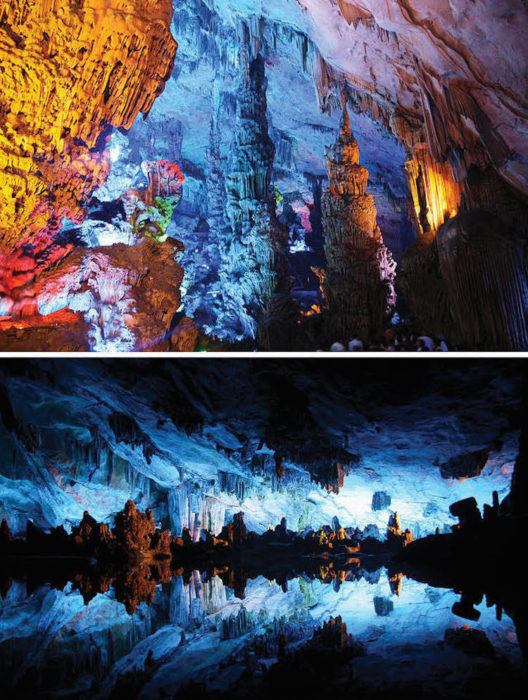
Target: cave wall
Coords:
[(71, 73), (212, 42)]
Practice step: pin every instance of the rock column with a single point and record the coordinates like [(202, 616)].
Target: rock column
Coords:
[(254, 274), (359, 281)]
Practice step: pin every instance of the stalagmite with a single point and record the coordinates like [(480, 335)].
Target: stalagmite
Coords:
[(254, 271), (359, 278)]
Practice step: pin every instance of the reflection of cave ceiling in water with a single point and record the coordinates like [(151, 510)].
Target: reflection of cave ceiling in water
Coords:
[(102, 248), (200, 440)]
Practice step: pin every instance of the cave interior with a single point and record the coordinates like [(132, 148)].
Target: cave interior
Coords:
[(271, 175), (245, 528)]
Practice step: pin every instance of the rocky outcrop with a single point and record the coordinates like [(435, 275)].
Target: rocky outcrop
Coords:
[(395, 535), (133, 537), (235, 532), (84, 68), (470, 282), (471, 641), (467, 465), (119, 297), (69, 71), (358, 284), (134, 530)]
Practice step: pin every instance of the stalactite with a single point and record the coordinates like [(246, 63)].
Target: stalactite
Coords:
[(359, 278), (191, 508), (435, 194)]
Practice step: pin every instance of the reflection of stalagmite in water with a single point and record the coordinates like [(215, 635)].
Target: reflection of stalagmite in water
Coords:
[(359, 279)]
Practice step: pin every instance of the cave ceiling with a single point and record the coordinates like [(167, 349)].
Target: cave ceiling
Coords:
[(303, 440)]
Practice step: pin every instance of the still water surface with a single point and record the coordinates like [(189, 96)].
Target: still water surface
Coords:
[(197, 629)]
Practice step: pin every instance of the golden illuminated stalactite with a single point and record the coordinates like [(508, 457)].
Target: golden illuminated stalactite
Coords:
[(442, 194), (69, 70), (395, 583)]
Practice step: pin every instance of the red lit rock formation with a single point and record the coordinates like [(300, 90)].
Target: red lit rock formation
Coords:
[(358, 283), (125, 297), (133, 529), (90, 533)]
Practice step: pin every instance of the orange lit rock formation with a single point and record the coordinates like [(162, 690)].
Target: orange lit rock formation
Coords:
[(69, 71), (435, 194), (358, 284)]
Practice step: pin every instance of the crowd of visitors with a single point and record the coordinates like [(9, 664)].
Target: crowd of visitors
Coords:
[(395, 339)]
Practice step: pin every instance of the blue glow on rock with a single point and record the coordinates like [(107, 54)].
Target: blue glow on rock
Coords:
[(195, 476), (197, 629)]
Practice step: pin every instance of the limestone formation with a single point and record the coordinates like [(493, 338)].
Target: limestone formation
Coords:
[(466, 465), (359, 277), (235, 532), (434, 192), (395, 535), (380, 500), (133, 529), (470, 282), (254, 270), (69, 71), (449, 75)]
